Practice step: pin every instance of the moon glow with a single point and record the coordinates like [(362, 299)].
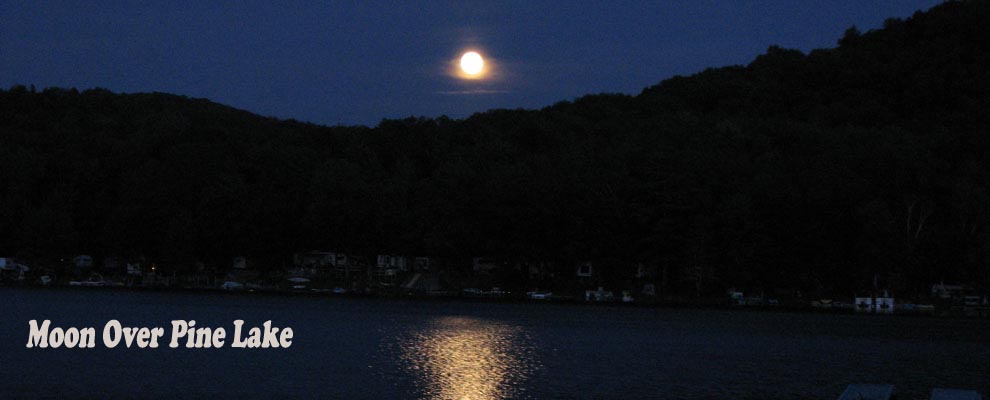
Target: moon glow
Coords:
[(472, 64)]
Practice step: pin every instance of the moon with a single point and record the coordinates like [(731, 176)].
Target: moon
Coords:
[(472, 64)]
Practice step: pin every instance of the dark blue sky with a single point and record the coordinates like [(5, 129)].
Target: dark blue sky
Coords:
[(356, 63)]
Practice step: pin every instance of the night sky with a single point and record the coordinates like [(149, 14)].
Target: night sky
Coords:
[(356, 63)]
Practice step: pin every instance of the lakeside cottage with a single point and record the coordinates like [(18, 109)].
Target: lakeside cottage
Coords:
[(81, 265), (319, 271), (311, 264), (483, 265), (875, 304), (599, 295), (12, 270), (388, 268), (945, 291), (239, 275), (422, 264), (348, 265), (539, 269), (736, 297), (327, 264), (392, 263)]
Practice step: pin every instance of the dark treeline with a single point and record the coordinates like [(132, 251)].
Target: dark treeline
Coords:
[(798, 171)]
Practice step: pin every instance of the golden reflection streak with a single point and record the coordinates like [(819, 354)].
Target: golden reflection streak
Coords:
[(467, 359)]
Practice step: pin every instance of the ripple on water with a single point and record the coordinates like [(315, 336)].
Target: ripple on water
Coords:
[(468, 358)]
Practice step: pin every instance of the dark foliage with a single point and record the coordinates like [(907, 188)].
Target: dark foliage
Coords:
[(811, 172)]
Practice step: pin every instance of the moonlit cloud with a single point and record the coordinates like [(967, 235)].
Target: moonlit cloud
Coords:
[(473, 91)]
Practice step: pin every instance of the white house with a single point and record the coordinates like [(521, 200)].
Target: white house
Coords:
[(393, 263), (875, 305)]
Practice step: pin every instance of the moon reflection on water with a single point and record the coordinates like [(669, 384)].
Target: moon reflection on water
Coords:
[(467, 358)]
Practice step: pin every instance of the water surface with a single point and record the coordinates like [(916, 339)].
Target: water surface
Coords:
[(380, 348)]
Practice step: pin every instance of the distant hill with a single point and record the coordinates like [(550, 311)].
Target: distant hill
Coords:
[(812, 172)]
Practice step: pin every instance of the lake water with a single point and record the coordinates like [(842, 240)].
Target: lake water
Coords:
[(386, 348)]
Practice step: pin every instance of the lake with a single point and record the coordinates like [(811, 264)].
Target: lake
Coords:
[(395, 348)]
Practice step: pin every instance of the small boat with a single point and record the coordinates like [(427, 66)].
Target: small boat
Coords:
[(298, 283), (599, 295), (539, 295), (94, 280), (955, 394), (860, 391)]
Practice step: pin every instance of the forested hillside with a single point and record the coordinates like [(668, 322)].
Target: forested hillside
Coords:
[(800, 171)]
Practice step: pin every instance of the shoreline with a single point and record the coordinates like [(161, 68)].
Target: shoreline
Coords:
[(702, 304)]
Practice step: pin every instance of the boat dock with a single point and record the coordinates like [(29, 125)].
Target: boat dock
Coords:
[(955, 394), (860, 391)]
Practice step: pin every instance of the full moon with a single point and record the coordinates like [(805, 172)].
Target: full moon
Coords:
[(472, 63)]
